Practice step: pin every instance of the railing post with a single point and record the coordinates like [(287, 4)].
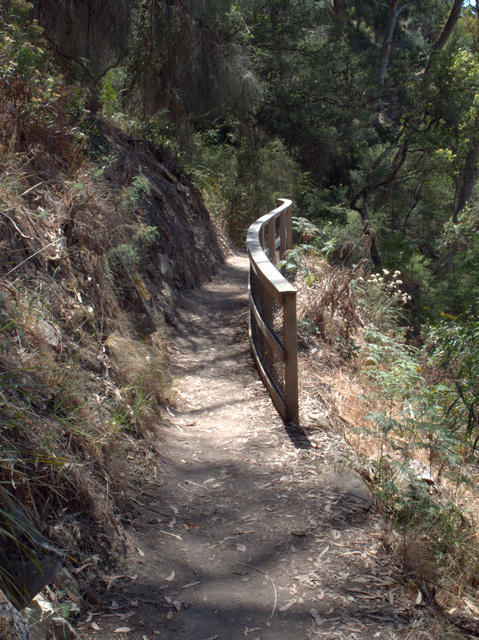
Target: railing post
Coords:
[(291, 362), (274, 348), (272, 240), (282, 233), (289, 227)]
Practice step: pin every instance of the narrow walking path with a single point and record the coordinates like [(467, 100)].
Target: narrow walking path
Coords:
[(249, 532)]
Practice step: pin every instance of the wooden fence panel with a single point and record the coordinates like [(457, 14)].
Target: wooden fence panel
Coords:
[(273, 334)]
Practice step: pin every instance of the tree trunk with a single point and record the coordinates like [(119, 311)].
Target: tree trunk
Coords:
[(467, 180), (369, 234), (464, 188), (337, 8), (388, 39), (446, 32), (396, 164)]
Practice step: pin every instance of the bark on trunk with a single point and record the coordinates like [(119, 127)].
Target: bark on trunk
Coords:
[(464, 188), (467, 180), (369, 234), (397, 163), (446, 32), (394, 12), (388, 39), (336, 6)]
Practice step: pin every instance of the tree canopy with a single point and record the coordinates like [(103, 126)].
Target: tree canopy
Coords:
[(374, 106)]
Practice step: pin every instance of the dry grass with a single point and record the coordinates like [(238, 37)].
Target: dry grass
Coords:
[(75, 373), (327, 300), (83, 364), (439, 545), (141, 368)]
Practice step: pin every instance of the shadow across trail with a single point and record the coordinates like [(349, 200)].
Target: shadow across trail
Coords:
[(298, 436), (249, 531)]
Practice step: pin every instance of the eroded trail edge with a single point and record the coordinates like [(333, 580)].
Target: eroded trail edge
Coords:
[(249, 531)]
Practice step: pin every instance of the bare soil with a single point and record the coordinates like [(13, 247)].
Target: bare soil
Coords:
[(248, 529)]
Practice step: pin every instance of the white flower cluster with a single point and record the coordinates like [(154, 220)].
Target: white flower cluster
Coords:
[(391, 284)]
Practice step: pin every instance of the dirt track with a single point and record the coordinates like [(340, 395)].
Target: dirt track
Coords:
[(249, 531)]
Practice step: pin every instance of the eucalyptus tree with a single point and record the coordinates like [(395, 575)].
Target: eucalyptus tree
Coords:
[(371, 96), (375, 100), (191, 57), (187, 56), (91, 35)]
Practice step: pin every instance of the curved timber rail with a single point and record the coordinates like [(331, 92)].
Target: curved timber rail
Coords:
[(272, 302)]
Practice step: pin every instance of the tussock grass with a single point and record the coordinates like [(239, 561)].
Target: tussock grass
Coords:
[(76, 372), (368, 385), (85, 284), (328, 302), (141, 369)]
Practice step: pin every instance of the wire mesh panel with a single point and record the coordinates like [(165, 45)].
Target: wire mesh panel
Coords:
[(273, 310), (268, 308), (272, 314)]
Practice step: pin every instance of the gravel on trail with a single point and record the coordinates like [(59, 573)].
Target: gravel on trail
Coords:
[(248, 531)]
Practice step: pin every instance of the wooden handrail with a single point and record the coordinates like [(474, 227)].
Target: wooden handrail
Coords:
[(274, 348)]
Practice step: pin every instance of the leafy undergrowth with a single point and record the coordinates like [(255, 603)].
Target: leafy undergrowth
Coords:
[(96, 235), (408, 410)]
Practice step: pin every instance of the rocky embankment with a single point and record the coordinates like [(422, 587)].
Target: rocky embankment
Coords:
[(94, 253)]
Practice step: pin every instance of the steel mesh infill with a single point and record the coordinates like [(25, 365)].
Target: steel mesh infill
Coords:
[(272, 365), (272, 309), (269, 309)]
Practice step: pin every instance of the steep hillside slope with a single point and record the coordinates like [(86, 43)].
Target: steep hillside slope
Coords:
[(92, 257)]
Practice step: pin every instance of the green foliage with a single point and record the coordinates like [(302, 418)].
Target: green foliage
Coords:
[(108, 95), (450, 549), (132, 194), (453, 344), (262, 99), (124, 254), (413, 411), (244, 94), (311, 240), (418, 273), (414, 445), (145, 236), (189, 58), (293, 259), (267, 98), (458, 246), (323, 238), (392, 364), (240, 178), (35, 102), (260, 176), (127, 254), (424, 427), (326, 205)]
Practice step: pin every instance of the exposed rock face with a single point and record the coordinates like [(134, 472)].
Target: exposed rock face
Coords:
[(40, 615), (29, 561), (12, 623), (62, 629), (190, 246)]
